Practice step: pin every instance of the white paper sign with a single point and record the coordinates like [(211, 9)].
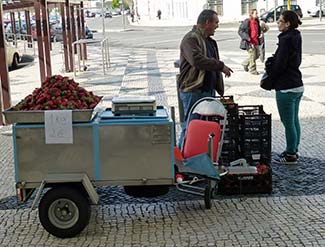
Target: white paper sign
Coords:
[(58, 127)]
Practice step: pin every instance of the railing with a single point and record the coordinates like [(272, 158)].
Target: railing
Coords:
[(80, 54), (105, 55)]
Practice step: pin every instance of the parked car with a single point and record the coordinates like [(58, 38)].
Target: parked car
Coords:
[(108, 14), (89, 33), (89, 13), (23, 29), (269, 15), (52, 33), (13, 56), (58, 32), (314, 11)]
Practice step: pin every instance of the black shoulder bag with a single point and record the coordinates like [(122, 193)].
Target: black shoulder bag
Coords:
[(266, 81)]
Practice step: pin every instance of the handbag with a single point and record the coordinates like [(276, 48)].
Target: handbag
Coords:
[(266, 82)]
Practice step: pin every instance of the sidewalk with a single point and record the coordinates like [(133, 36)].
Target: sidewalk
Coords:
[(282, 219)]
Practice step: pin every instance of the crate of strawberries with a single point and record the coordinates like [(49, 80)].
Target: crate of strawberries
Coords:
[(56, 93)]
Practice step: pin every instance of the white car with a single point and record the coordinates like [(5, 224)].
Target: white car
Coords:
[(314, 11), (13, 56)]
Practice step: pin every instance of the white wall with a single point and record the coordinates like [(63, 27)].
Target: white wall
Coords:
[(231, 9), (175, 9), (190, 9), (305, 5)]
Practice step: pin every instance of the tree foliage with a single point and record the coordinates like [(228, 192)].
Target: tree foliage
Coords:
[(115, 4)]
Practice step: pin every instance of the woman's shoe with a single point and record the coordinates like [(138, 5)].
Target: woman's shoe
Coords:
[(284, 153), (287, 159)]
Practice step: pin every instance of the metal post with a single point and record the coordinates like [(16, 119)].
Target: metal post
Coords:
[(5, 101), (289, 4), (275, 5), (123, 17), (320, 9), (267, 5), (103, 18)]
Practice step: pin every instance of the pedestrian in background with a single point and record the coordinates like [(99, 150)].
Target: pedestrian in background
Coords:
[(200, 67), (250, 31), (159, 14), (287, 81)]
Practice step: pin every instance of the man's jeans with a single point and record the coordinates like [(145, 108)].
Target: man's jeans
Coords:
[(188, 99)]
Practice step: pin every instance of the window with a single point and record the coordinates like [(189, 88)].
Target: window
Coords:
[(247, 5), (216, 5)]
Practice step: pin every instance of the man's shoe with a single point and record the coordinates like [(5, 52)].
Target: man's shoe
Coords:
[(254, 72), (245, 67), (287, 159)]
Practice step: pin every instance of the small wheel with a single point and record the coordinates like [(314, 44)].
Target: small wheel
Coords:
[(64, 211), (15, 61), (207, 197)]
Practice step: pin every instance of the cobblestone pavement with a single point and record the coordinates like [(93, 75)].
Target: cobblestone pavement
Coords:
[(293, 215)]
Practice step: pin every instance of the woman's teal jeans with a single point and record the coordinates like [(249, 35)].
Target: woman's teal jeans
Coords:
[(288, 107)]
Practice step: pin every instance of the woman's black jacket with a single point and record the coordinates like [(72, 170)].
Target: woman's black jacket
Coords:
[(284, 70)]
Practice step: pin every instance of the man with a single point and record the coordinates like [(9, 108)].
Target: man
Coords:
[(250, 31), (200, 67)]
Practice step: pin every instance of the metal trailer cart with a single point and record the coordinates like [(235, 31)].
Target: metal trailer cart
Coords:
[(111, 148)]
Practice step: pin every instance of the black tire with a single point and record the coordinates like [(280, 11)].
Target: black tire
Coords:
[(147, 190), (64, 211), (15, 61), (207, 197)]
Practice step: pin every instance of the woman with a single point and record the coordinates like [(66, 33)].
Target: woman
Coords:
[(288, 83)]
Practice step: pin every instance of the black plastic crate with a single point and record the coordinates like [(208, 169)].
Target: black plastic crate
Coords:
[(228, 156), (246, 183), (255, 134), (250, 110)]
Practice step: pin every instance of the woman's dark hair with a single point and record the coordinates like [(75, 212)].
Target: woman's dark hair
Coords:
[(206, 15), (292, 17)]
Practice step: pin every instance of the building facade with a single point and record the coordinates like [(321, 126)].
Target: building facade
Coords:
[(227, 9)]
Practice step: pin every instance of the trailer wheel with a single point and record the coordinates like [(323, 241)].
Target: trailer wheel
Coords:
[(64, 211), (207, 197)]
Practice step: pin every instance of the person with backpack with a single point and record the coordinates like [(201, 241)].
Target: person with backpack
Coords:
[(250, 31)]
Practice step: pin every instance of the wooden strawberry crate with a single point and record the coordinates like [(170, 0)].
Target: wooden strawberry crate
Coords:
[(25, 117)]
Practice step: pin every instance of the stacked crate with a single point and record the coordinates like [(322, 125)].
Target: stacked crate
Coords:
[(255, 134), (231, 145), (248, 136)]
